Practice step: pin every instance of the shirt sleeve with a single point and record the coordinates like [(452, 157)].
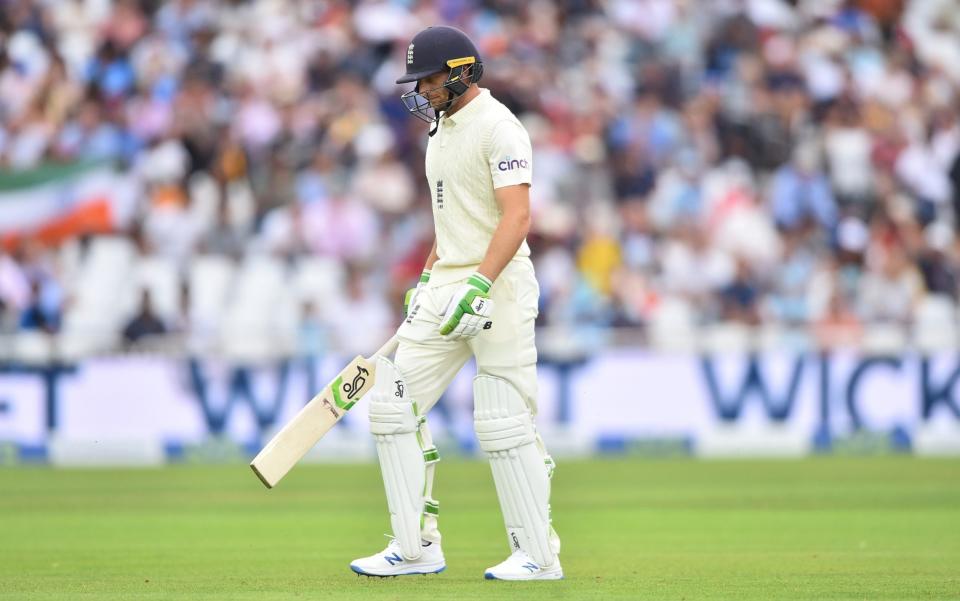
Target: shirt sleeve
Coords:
[(511, 156)]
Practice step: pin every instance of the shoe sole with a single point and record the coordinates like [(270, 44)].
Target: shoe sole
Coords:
[(491, 576), (360, 572)]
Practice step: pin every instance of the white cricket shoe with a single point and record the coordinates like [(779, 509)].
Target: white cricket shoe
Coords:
[(391, 562), (520, 566)]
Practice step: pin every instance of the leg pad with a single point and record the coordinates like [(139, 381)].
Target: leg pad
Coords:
[(394, 424), (521, 470)]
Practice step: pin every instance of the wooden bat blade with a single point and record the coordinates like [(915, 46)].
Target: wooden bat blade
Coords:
[(313, 421)]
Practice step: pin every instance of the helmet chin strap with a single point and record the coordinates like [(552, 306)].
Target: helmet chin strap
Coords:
[(439, 112)]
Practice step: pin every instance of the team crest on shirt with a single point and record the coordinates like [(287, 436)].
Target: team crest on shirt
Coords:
[(410, 54)]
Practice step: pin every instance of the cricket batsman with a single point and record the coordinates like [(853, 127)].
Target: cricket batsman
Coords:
[(477, 296)]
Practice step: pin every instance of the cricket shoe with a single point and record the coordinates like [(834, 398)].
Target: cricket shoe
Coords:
[(520, 566), (391, 562)]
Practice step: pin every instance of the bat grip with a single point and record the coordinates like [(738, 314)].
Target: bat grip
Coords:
[(388, 347)]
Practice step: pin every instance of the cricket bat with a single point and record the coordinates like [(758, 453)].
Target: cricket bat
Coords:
[(317, 417)]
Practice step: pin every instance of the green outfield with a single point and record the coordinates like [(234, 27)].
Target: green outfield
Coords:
[(826, 528)]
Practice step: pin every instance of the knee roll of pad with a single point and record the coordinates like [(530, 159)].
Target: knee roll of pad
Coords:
[(506, 433), (394, 424)]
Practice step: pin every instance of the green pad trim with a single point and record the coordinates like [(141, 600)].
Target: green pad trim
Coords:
[(431, 455)]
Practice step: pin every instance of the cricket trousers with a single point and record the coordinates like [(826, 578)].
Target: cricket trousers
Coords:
[(428, 362)]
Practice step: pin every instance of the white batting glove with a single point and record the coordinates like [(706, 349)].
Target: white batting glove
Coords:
[(469, 309)]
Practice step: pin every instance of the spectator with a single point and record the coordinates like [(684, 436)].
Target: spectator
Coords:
[(847, 146), (15, 288), (890, 289), (801, 193), (39, 315), (224, 238), (694, 133), (939, 271), (839, 326), (145, 323), (739, 299)]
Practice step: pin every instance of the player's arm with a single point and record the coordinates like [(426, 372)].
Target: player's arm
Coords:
[(432, 258), (510, 159), (469, 308), (514, 203)]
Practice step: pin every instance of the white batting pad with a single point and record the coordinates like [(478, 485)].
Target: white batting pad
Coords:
[(506, 433), (394, 424)]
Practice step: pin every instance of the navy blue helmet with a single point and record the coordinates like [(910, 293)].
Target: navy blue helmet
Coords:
[(437, 50)]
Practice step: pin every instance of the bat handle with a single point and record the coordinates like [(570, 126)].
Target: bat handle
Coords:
[(388, 347)]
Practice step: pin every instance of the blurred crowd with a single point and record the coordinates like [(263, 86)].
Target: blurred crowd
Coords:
[(751, 161)]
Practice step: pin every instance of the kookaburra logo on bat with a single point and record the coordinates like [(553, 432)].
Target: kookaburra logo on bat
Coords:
[(353, 387)]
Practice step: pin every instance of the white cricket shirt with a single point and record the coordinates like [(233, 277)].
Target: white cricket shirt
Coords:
[(480, 148)]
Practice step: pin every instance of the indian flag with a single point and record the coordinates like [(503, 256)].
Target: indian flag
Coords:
[(54, 202)]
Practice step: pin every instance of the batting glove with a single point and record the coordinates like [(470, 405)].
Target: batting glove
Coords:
[(468, 311), (410, 299)]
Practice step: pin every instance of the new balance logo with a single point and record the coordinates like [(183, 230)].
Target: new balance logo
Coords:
[(531, 566), (439, 193), (395, 559), (410, 54)]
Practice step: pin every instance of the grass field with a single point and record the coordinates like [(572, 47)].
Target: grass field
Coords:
[(873, 528)]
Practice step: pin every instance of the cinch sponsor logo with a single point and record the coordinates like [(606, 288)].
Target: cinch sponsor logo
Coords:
[(509, 164)]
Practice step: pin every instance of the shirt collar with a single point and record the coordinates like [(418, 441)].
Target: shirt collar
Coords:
[(468, 112)]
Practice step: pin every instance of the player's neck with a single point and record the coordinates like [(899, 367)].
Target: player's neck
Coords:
[(471, 93)]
